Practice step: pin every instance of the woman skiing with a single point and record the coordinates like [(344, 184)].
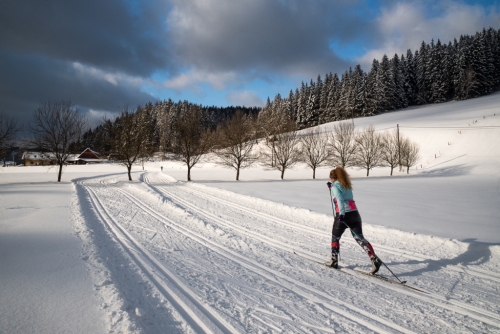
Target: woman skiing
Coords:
[(347, 215)]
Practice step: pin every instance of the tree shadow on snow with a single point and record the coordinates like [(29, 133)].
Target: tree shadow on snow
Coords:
[(477, 253), (448, 171), (456, 170)]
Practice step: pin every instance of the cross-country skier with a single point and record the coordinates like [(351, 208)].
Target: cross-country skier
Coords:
[(347, 215)]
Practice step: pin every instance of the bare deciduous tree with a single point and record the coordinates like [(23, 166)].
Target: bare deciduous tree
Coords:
[(235, 141), (149, 128), (270, 122), (342, 145), (56, 125), (390, 152), (8, 129), (368, 149), (410, 154), (129, 138), (315, 152), (284, 148), (191, 141)]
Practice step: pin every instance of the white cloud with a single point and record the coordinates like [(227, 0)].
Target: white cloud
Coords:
[(193, 78), (113, 78), (244, 98), (405, 26), (258, 36), (95, 117)]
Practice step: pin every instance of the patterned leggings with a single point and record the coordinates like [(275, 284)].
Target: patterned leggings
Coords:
[(353, 219)]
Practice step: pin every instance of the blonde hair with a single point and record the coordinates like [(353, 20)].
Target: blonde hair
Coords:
[(341, 175)]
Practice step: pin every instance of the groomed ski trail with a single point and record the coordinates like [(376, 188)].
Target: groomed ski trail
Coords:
[(434, 298), (171, 230)]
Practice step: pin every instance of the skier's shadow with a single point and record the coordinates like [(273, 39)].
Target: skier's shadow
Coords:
[(477, 253)]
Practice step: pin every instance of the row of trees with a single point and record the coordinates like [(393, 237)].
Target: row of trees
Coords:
[(244, 139), (9, 127), (162, 118), (463, 69), (280, 146), (57, 127)]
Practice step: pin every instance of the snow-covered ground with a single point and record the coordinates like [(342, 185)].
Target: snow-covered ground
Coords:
[(98, 253)]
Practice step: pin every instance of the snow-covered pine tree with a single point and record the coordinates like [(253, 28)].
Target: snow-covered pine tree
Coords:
[(487, 67), (399, 83), (295, 104), (495, 46), (422, 75), (291, 105), (406, 83), (385, 82), (276, 105), (323, 99), (372, 93), (343, 110), (302, 106), (411, 78), (358, 91), (436, 73), (333, 97), (448, 61)]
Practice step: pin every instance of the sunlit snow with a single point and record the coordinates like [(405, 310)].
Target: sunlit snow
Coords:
[(97, 253)]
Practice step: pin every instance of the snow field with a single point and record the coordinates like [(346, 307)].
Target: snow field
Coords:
[(216, 256), (235, 253)]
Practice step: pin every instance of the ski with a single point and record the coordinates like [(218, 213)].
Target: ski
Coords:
[(352, 271), (323, 263), (307, 258), (387, 279)]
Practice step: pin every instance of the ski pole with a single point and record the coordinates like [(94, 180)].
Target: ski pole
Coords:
[(359, 238)]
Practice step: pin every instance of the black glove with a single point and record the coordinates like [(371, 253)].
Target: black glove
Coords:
[(329, 184), (341, 218)]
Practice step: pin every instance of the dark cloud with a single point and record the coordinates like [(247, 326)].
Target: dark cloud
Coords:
[(59, 49), (29, 79), (101, 54), (112, 34), (291, 37)]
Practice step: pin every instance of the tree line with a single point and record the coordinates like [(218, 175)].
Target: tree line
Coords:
[(465, 68), (269, 139), (245, 138)]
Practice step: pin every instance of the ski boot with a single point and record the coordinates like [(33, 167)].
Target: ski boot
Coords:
[(376, 263), (334, 262)]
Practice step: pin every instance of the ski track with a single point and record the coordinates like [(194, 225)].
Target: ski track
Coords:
[(273, 275), (382, 249), (172, 237), (465, 308), (200, 318), (135, 247)]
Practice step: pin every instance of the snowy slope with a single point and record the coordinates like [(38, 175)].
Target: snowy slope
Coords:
[(191, 258), (215, 255)]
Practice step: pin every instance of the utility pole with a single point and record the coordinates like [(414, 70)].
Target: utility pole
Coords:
[(399, 147)]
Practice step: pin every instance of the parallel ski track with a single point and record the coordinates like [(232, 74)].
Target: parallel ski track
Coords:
[(482, 315), (460, 269), (201, 318), (356, 315)]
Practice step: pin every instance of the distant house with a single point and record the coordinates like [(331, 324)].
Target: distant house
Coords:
[(88, 157), (40, 159)]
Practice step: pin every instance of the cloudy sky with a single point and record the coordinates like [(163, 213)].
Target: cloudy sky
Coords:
[(103, 55)]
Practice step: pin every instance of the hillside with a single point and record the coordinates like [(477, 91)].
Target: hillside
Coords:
[(162, 255)]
